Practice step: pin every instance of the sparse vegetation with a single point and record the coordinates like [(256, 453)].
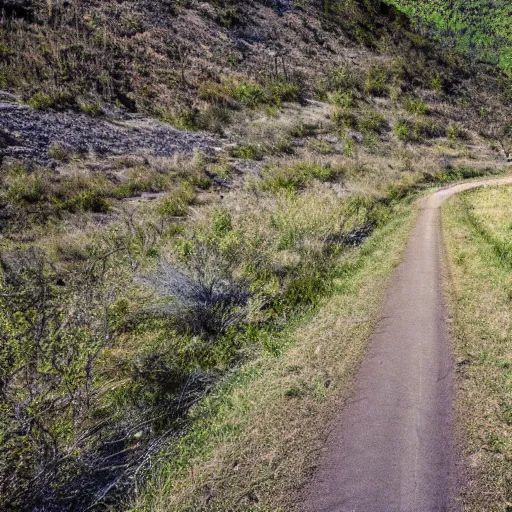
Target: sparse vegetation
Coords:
[(477, 228)]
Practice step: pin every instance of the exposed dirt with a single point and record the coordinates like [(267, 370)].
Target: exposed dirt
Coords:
[(393, 447), (27, 134)]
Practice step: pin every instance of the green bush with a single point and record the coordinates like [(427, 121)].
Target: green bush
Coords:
[(88, 201), (429, 130), (283, 91), (343, 79), (176, 203), (215, 92), (455, 131), (344, 100), (344, 118), (58, 100), (371, 121), (298, 175), (377, 81), (248, 151), (415, 106), (303, 130), (404, 131), (59, 151), (250, 95), (40, 101)]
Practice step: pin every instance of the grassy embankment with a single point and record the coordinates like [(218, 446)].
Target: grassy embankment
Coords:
[(252, 443), (477, 231)]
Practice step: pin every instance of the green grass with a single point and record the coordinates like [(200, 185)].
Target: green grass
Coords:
[(253, 441), (477, 231), (471, 24)]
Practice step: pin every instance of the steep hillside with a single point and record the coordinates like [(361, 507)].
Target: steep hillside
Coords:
[(182, 183), (479, 27)]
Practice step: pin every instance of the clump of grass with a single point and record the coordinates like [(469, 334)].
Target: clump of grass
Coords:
[(301, 129), (280, 92), (456, 131), (404, 131), (88, 201), (247, 151), (219, 93), (176, 203), (415, 106), (251, 95), (56, 100), (298, 175), (371, 121), (377, 80), (59, 151), (344, 118), (342, 99)]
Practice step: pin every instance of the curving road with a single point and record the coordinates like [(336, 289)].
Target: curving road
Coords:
[(393, 447)]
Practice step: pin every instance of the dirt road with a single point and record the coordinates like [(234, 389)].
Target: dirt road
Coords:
[(392, 449)]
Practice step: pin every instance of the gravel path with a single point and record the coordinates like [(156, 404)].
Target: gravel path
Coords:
[(393, 447)]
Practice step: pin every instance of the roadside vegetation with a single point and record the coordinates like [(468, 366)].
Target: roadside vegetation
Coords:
[(477, 233)]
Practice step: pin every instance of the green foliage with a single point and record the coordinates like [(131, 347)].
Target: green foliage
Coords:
[(377, 80), (59, 151), (404, 131), (344, 118), (298, 175), (415, 106), (176, 203), (250, 95), (475, 26), (371, 121), (88, 201), (247, 151)]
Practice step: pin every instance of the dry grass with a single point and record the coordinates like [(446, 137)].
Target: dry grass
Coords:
[(477, 233), (254, 442)]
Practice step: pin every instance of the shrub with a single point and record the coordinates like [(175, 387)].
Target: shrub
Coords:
[(303, 130), (250, 95), (40, 101), (28, 189), (219, 93), (371, 121), (343, 79), (283, 91), (429, 130), (43, 101), (298, 175), (214, 118), (377, 81), (203, 294), (248, 151), (90, 107), (344, 100), (344, 118), (455, 131), (176, 203), (88, 201), (415, 106), (404, 131)]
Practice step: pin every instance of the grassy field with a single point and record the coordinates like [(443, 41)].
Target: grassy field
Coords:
[(477, 228), (252, 443)]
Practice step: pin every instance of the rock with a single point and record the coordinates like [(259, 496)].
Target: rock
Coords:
[(357, 136), (132, 134)]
